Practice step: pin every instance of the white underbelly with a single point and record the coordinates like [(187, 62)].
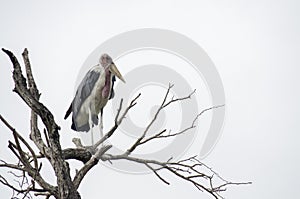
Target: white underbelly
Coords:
[(94, 103)]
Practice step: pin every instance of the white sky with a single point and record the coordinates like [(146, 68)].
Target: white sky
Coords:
[(254, 45)]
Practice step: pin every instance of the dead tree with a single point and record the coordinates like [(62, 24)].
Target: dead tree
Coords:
[(27, 168)]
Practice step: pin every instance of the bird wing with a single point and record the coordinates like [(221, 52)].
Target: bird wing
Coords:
[(83, 91)]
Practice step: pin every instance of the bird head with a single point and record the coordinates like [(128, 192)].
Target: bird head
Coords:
[(105, 60), (107, 63)]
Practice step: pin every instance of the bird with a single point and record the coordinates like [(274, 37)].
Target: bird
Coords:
[(92, 94)]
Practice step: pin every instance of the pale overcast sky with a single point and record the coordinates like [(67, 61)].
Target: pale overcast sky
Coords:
[(254, 45)]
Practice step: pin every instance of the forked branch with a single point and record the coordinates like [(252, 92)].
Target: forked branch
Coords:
[(28, 167)]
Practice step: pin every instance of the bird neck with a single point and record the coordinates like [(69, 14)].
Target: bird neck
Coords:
[(106, 88)]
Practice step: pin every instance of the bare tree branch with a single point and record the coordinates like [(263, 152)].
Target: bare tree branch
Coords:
[(118, 120), (186, 171), (142, 139), (54, 153), (90, 164), (49, 148), (160, 134), (33, 172)]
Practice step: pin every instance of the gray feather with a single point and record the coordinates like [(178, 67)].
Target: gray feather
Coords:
[(84, 90)]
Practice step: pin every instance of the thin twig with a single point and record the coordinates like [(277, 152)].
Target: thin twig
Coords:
[(118, 120)]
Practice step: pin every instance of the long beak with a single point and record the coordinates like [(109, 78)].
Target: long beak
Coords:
[(114, 70)]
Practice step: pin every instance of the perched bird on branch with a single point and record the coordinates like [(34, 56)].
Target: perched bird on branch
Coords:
[(92, 94)]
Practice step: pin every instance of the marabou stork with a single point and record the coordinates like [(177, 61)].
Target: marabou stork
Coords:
[(92, 94)]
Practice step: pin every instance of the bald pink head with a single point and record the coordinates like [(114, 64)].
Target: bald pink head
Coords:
[(105, 60)]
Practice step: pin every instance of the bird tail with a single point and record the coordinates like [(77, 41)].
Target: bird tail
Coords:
[(68, 111), (85, 127)]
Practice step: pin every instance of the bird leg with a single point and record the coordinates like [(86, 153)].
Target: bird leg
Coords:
[(101, 124), (91, 126)]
